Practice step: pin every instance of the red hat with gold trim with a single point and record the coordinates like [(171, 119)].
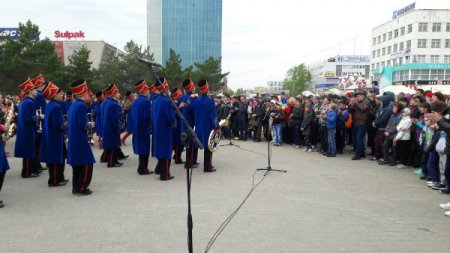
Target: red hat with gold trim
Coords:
[(188, 85), (176, 94), (111, 90), (21, 95), (129, 95), (26, 86), (164, 83), (152, 88), (79, 88), (203, 86), (99, 96), (69, 95), (141, 86), (91, 94), (38, 81), (50, 90)]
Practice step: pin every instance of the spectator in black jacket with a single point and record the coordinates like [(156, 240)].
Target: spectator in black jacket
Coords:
[(259, 113), (306, 126), (295, 122)]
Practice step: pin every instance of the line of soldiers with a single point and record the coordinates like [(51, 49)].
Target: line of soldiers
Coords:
[(44, 129)]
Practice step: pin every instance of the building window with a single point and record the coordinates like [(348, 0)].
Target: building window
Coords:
[(384, 37), (389, 49), (373, 66), (410, 28), (400, 61), (407, 59), (435, 43), (388, 63), (447, 59), (434, 59), (408, 44), (422, 43), (436, 27), (419, 58), (374, 41), (374, 54), (395, 33), (402, 31), (448, 27), (447, 43), (394, 62), (378, 53), (402, 46), (379, 39), (383, 64), (395, 48), (423, 27), (390, 36), (383, 51)]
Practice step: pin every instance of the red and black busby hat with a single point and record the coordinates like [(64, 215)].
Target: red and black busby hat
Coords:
[(69, 95), (50, 90), (165, 84), (38, 81), (26, 86), (99, 96), (79, 88), (188, 85), (152, 88), (141, 86), (111, 90), (129, 95), (91, 94), (203, 86), (176, 93), (21, 95)]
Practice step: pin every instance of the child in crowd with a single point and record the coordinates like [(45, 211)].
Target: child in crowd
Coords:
[(402, 140), (342, 117), (331, 130)]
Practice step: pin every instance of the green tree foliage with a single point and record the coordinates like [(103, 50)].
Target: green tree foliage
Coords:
[(125, 70), (27, 57), (79, 65), (296, 79), (210, 70), (174, 72)]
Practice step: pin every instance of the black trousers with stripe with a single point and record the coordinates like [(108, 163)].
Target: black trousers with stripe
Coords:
[(82, 176), (207, 160), (191, 156), (112, 156), (163, 168), (178, 150), (29, 166), (143, 164), (56, 173), (2, 178)]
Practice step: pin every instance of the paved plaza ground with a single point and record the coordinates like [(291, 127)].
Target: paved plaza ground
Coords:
[(320, 205)]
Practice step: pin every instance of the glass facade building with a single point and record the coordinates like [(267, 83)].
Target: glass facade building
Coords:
[(193, 28)]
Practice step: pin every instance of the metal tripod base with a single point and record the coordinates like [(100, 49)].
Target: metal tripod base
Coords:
[(230, 144), (269, 169)]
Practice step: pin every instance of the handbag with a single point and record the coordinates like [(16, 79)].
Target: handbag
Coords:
[(440, 146)]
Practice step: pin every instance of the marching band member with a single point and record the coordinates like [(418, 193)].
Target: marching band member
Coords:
[(153, 96), (140, 126), (40, 104), (177, 144), (111, 125), (68, 102), (98, 117), (53, 146), (185, 104), (128, 117), (79, 153), (4, 166), (26, 131), (164, 121), (205, 121)]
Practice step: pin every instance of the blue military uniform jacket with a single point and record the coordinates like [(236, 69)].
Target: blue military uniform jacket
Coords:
[(78, 151), (98, 117), (52, 143), (205, 117), (141, 116), (26, 129), (40, 102), (187, 111), (176, 132), (163, 121), (67, 105), (4, 165), (110, 124)]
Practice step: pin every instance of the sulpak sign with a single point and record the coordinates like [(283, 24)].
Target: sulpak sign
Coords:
[(69, 35)]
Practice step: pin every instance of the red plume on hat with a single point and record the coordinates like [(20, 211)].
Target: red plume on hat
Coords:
[(26, 86), (79, 88), (50, 90), (188, 85), (164, 82), (203, 86), (38, 81), (111, 90), (141, 86)]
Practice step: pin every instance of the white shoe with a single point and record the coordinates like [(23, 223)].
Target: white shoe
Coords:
[(305, 149), (447, 213), (309, 150), (400, 166), (445, 206)]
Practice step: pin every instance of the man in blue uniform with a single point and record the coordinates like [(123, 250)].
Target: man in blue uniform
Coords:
[(98, 117), (140, 126), (185, 107), (127, 116), (111, 125), (164, 121), (26, 131), (4, 166), (52, 143), (79, 153), (177, 144), (40, 104), (68, 102), (205, 121)]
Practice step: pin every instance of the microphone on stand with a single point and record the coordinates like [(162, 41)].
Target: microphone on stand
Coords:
[(148, 62)]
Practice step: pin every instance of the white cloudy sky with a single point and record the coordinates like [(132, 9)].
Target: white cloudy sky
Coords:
[(262, 39)]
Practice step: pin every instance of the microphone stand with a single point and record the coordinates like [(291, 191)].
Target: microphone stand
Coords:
[(188, 137)]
